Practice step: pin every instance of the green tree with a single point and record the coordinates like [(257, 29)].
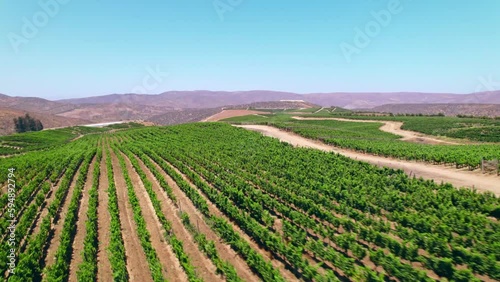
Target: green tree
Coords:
[(27, 123)]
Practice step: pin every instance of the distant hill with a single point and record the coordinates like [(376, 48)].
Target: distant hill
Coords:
[(33, 104), (490, 110), (370, 100), (183, 116), (116, 107), (283, 104), (214, 99), (49, 121), (189, 99), (114, 112)]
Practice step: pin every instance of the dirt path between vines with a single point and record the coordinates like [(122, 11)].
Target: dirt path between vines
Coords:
[(204, 267), (439, 173), (289, 276), (104, 271), (58, 225), (137, 264), (393, 127), (44, 208), (76, 256), (231, 113), (197, 219), (171, 266)]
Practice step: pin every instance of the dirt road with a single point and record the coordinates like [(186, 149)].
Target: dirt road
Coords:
[(393, 127), (231, 113), (439, 173)]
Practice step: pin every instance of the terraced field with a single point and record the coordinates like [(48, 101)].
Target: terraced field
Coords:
[(212, 202)]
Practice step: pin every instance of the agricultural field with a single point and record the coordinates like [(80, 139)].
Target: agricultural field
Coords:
[(212, 202), (472, 128), (50, 138), (367, 138)]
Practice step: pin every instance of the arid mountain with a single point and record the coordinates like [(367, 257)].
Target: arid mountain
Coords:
[(214, 99), (7, 116), (283, 104), (183, 116), (97, 112), (114, 112), (189, 99), (134, 106), (490, 110), (33, 104), (370, 100)]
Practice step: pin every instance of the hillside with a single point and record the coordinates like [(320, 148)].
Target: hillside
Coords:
[(114, 112), (49, 121), (215, 202), (34, 104), (214, 99), (283, 104), (189, 99), (370, 100), (183, 116), (150, 107), (490, 110)]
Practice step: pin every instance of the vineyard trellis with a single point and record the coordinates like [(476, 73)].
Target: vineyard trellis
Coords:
[(287, 213), (490, 166)]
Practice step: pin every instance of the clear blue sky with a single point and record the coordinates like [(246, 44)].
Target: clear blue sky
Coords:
[(96, 47)]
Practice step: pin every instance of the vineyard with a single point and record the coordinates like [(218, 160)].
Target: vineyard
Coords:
[(212, 202), (472, 128), (46, 139), (367, 138)]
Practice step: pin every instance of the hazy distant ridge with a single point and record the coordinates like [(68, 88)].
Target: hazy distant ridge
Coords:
[(212, 99)]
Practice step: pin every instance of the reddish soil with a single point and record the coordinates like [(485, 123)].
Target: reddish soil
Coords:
[(204, 267), (104, 271), (42, 212), (232, 113), (77, 258), (57, 225), (215, 211), (171, 266), (198, 220), (137, 264)]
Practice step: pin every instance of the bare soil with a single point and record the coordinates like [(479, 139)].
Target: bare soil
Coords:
[(204, 267), (104, 271), (393, 127), (289, 276), (439, 173), (232, 113), (137, 264), (171, 266), (198, 220), (77, 258), (44, 208), (57, 224)]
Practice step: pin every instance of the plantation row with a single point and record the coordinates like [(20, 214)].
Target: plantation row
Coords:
[(267, 211), (52, 138), (69, 166), (367, 138), (477, 129), (429, 230)]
